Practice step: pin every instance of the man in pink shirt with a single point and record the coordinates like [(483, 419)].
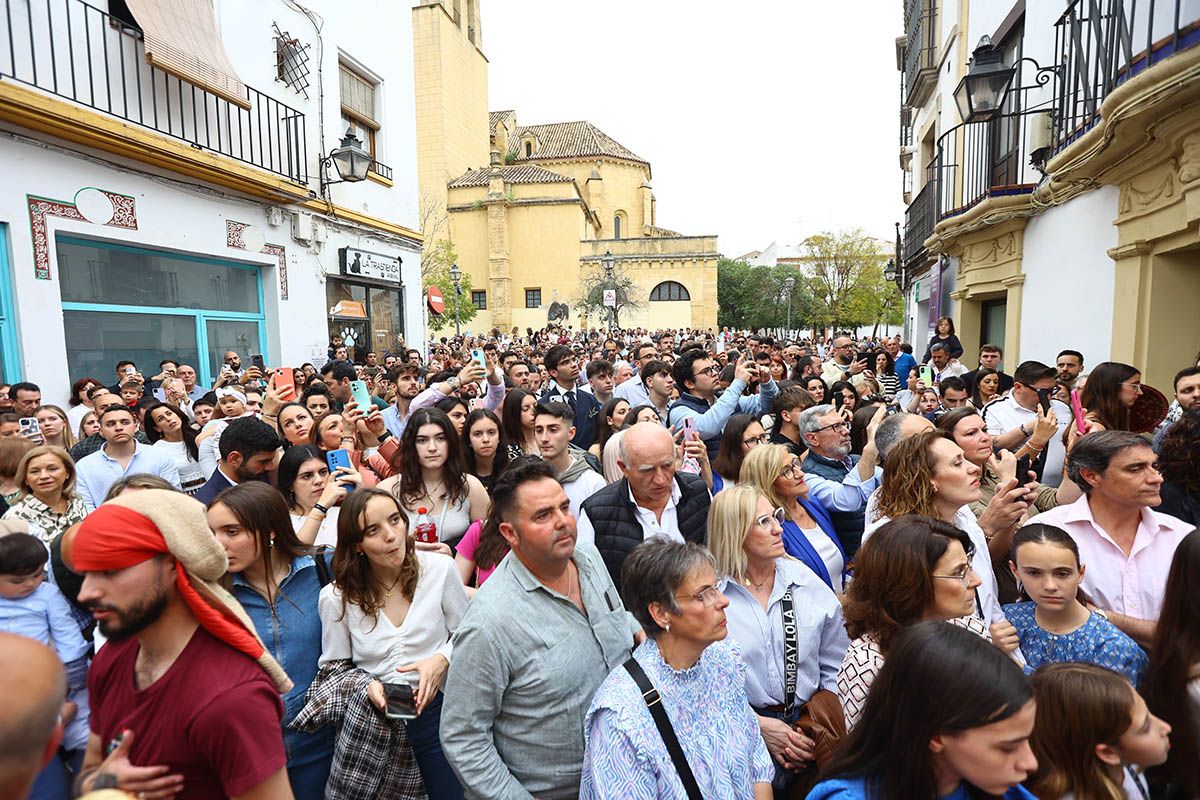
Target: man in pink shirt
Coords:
[(1126, 547)]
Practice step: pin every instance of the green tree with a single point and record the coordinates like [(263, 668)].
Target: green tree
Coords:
[(845, 272), (435, 267), (757, 297), (590, 298)]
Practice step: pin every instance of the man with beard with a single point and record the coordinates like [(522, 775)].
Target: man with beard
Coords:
[(248, 448), (404, 378), (185, 698), (120, 455)]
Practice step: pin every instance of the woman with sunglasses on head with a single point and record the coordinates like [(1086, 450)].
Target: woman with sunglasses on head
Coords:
[(671, 589), (764, 588), (743, 433), (949, 718), (808, 532)]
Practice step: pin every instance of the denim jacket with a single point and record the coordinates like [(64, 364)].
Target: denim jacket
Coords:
[(291, 631)]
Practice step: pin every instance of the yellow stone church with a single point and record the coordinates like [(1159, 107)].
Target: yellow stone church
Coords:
[(531, 210)]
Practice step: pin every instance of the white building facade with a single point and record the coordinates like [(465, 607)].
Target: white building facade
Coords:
[(165, 195), (1062, 219)]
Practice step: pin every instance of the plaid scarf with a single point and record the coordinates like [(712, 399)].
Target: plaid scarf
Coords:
[(373, 759)]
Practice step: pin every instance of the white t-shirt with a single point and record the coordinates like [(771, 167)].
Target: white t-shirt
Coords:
[(1006, 413), (191, 476), (829, 553), (327, 533), (581, 488)]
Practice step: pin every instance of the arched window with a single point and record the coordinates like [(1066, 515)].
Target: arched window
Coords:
[(616, 226), (669, 290)]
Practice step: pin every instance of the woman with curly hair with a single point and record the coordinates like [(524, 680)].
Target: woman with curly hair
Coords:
[(1179, 463), (392, 610), (1171, 683)]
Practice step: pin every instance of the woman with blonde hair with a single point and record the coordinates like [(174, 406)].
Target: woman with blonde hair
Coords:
[(765, 587), (808, 532), (1092, 735), (46, 476), (55, 426)]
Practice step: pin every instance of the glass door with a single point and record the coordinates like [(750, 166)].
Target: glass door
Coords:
[(10, 353), (243, 337)]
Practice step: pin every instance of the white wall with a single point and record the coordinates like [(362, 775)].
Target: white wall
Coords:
[(177, 218), (1067, 300)]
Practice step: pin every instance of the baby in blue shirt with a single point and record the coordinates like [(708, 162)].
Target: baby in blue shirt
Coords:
[(33, 608)]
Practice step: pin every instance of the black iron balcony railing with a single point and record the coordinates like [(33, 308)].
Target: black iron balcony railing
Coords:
[(919, 219), (1100, 44), (984, 159), (76, 51), (380, 169), (920, 52)]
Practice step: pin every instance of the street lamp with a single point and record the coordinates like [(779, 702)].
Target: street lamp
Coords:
[(982, 91), (607, 263), (456, 278), (789, 283), (351, 161)]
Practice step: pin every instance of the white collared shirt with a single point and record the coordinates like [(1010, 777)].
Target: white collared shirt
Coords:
[(652, 524)]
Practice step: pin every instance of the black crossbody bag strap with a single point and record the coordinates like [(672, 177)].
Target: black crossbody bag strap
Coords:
[(791, 653), (323, 574), (665, 730)]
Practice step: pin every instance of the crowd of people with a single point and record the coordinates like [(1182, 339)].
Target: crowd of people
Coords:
[(626, 564)]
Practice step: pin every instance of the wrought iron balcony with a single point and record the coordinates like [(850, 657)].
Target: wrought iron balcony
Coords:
[(1095, 43), (976, 160), (76, 51), (919, 219), (921, 49)]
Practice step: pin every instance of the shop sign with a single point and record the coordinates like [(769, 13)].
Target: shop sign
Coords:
[(365, 264)]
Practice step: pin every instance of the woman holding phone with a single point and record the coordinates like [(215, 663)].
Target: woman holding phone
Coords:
[(359, 437), (313, 494), (392, 610)]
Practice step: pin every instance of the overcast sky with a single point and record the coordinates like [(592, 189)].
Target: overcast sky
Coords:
[(762, 121)]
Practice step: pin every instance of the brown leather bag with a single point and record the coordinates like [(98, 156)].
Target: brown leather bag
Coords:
[(822, 721)]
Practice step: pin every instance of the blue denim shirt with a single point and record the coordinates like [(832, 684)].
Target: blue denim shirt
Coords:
[(291, 631)]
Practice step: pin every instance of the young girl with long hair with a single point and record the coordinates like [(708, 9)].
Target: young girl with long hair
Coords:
[(433, 476), (949, 717), (1054, 625), (275, 578), (357, 434), (56, 428), (612, 417), (169, 429), (485, 449), (1110, 391), (312, 494), (517, 415), (1172, 680), (1093, 735), (392, 610)]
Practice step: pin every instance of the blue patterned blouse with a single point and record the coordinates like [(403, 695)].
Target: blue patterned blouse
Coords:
[(625, 756), (1096, 641)]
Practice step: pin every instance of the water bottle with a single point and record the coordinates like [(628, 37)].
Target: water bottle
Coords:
[(426, 529)]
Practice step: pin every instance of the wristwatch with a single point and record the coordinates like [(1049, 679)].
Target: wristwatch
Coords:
[(454, 383), (383, 437)]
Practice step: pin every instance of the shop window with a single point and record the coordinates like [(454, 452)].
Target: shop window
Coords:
[(669, 290), (533, 298), (359, 110), (366, 317), (479, 299), (144, 305)]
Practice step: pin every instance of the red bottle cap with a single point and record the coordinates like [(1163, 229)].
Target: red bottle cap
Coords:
[(422, 510)]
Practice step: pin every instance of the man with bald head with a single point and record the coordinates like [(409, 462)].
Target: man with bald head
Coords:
[(33, 686), (651, 500)]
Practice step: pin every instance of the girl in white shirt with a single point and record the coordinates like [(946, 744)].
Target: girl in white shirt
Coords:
[(392, 609)]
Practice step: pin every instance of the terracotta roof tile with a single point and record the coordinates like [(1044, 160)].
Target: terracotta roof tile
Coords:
[(495, 117), (525, 173), (570, 140)]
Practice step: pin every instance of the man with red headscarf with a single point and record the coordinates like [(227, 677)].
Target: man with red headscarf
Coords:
[(185, 698)]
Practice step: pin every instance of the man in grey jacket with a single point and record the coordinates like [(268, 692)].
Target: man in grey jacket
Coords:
[(537, 640)]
